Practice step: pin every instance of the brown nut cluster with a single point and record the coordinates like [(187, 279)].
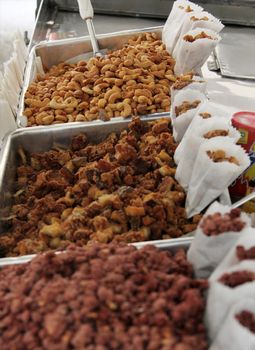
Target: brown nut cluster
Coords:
[(205, 115), (215, 224), (204, 18), (215, 133), (192, 38), (219, 156), (186, 106), (122, 189), (104, 297), (184, 80), (245, 254), (246, 319), (237, 278), (134, 80)]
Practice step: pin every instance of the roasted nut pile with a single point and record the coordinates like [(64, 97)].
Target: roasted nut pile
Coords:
[(186, 106), (103, 297), (215, 133), (122, 189), (205, 115), (247, 319), (237, 278), (245, 254), (215, 224), (182, 81), (192, 38), (219, 156), (134, 80)]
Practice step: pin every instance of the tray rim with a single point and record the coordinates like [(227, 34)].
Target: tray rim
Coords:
[(167, 244)]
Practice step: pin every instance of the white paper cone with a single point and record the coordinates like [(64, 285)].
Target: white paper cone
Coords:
[(209, 179), (206, 252), (173, 25), (181, 122), (233, 335), (198, 120), (201, 19), (7, 121), (221, 297), (246, 240), (190, 56), (195, 83), (225, 198), (194, 141)]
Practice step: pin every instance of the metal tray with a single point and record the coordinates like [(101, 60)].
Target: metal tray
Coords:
[(41, 139), (54, 52), (168, 244), (37, 139)]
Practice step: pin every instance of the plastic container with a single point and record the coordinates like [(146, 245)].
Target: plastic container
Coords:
[(244, 121)]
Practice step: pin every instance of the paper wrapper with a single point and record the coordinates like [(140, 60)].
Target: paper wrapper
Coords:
[(247, 240), (233, 335), (10, 76), (221, 298), (196, 83), (190, 56), (225, 198), (7, 121), (209, 179), (174, 22), (193, 142), (200, 19), (206, 252), (8, 95), (181, 123), (197, 121)]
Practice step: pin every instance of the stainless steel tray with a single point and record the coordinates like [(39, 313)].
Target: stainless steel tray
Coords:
[(40, 139), (54, 52), (169, 244)]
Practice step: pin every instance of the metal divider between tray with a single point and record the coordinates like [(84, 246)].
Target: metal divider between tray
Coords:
[(169, 244)]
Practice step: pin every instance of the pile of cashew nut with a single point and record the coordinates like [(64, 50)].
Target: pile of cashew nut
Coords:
[(134, 80)]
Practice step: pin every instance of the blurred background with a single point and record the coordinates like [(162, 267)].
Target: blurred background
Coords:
[(17, 14)]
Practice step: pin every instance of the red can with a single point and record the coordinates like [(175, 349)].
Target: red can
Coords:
[(245, 184)]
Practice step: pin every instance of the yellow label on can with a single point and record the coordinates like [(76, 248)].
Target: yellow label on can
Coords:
[(244, 136), (249, 207)]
